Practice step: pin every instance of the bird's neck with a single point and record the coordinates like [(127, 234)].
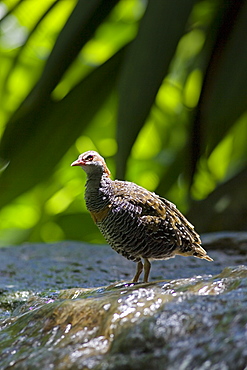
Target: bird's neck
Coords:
[(96, 179), (97, 194)]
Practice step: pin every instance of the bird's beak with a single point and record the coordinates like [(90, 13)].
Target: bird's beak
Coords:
[(78, 162)]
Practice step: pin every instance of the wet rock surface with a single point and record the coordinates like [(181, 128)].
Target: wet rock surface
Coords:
[(69, 306)]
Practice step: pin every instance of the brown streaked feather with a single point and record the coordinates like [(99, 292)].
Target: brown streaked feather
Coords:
[(149, 202), (155, 209)]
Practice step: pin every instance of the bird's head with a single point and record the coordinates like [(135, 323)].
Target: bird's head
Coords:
[(92, 163)]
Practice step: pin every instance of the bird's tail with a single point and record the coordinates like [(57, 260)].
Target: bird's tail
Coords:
[(199, 252)]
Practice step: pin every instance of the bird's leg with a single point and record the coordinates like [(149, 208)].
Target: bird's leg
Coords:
[(147, 266), (139, 269)]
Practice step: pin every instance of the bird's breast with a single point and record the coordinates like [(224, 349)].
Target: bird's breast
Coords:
[(100, 216)]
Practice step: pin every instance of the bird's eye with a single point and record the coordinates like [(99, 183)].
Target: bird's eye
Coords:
[(89, 157)]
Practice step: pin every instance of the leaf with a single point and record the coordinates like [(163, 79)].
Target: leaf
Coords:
[(172, 172), (223, 97), (19, 52), (11, 9), (81, 25), (55, 127), (145, 67), (224, 209)]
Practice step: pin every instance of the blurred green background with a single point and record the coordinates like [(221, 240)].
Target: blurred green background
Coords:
[(157, 87)]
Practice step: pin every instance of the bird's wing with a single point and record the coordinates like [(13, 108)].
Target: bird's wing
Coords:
[(180, 223), (144, 202), (159, 213)]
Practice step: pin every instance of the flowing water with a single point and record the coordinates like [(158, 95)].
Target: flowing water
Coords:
[(195, 322)]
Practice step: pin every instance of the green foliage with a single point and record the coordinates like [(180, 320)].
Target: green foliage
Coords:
[(161, 85)]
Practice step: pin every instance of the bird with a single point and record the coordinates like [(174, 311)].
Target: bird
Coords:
[(137, 223)]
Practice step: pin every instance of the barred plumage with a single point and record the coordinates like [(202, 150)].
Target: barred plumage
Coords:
[(137, 223)]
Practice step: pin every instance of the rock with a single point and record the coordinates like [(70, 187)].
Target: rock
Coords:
[(64, 306), (229, 241)]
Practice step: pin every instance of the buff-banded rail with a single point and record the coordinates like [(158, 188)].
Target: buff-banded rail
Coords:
[(137, 223)]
